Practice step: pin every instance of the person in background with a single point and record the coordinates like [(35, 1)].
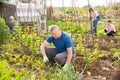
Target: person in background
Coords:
[(110, 29), (63, 52), (96, 17), (11, 24)]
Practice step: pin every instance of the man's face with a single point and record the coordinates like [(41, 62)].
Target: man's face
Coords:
[(56, 33)]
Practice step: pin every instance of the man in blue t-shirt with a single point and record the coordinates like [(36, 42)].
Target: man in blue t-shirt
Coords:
[(63, 51)]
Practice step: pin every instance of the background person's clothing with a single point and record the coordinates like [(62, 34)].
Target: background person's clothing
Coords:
[(105, 30), (95, 23), (111, 27), (111, 33), (94, 14), (110, 30), (12, 24), (61, 44)]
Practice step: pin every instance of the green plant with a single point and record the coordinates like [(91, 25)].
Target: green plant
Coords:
[(117, 55), (4, 32), (5, 74), (58, 73), (101, 32), (92, 57)]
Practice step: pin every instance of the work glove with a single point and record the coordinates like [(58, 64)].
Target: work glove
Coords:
[(45, 60), (66, 67)]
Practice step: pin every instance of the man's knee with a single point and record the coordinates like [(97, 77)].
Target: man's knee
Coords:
[(51, 51), (60, 59)]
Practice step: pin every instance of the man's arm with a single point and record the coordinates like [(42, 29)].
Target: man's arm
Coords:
[(43, 46), (69, 57)]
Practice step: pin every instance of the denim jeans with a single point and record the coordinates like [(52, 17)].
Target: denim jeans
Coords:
[(95, 23)]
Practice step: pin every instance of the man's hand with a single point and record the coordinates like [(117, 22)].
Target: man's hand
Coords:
[(45, 60)]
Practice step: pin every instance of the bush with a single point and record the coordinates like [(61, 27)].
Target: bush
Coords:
[(5, 74), (4, 32)]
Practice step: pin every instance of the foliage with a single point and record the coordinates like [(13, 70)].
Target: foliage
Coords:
[(117, 55), (29, 40), (4, 32), (58, 73), (5, 74), (101, 32), (23, 60), (92, 57), (68, 26)]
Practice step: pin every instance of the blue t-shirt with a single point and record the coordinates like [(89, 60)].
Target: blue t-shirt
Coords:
[(62, 43)]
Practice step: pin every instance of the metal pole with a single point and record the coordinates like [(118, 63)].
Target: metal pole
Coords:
[(90, 17)]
